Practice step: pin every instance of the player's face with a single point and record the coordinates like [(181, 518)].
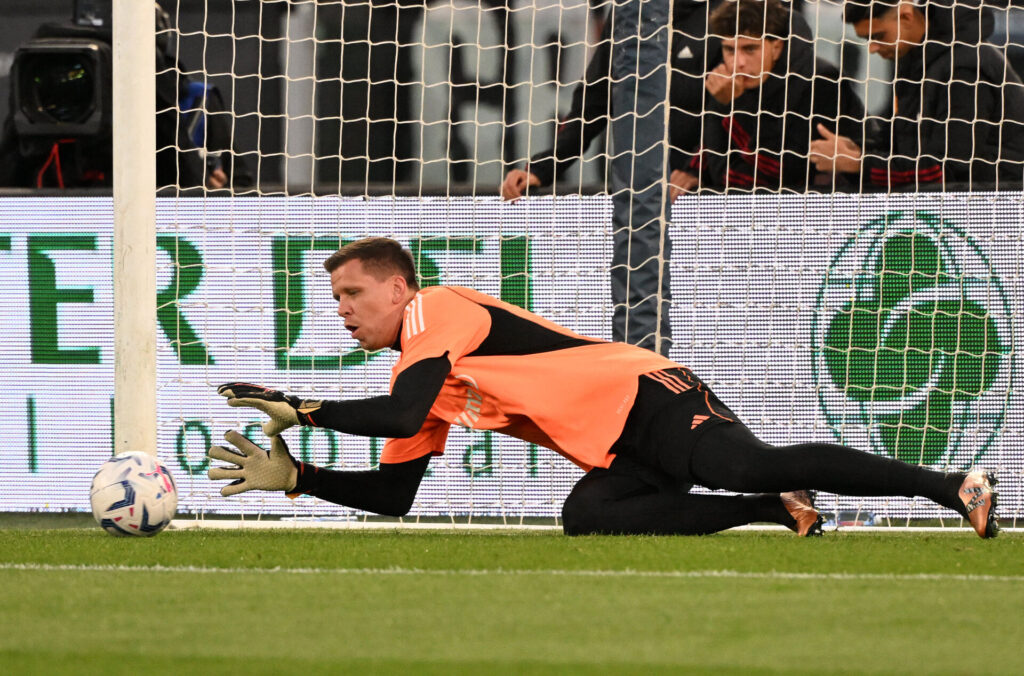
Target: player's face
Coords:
[(890, 35), (371, 306), (750, 58)]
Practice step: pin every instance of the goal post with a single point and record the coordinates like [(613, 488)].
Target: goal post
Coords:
[(134, 242)]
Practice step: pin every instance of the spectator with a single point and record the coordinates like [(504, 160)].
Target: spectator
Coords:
[(958, 115), (640, 279), (767, 94), (691, 53), (591, 102)]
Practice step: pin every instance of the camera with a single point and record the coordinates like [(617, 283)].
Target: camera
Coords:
[(59, 131), (61, 87), (61, 79)]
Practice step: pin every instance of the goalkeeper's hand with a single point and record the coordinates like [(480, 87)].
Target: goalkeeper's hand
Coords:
[(255, 468), (284, 410)]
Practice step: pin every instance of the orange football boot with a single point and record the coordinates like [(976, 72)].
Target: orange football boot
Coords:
[(980, 502), (800, 505)]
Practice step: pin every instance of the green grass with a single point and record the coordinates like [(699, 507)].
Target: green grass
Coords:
[(480, 603)]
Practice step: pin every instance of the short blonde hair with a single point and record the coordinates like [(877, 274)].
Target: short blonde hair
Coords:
[(380, 256)]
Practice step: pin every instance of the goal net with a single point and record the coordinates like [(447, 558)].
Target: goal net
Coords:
[(877, 310)]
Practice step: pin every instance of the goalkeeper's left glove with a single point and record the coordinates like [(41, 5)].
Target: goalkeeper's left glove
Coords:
[(284, 410), (256, 468)]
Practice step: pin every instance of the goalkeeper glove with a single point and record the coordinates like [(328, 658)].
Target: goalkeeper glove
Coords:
[(255, 468), (284, 410)]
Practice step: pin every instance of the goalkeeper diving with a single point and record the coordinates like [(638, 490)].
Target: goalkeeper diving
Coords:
[(643, 428)]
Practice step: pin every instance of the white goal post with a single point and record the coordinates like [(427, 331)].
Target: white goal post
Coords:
[(134, 259)]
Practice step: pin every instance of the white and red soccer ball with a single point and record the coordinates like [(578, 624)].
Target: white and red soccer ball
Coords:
[(133, 493)]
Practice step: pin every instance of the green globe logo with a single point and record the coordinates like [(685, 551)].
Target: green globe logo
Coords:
[(912, 342)]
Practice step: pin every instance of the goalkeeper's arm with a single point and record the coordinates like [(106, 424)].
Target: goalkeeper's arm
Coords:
[(389, 490), (397, 415)]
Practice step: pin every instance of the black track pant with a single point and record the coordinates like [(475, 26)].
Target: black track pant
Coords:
[(664, 451), (624, 499)]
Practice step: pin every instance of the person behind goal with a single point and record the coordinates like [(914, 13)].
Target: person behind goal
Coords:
[(643, 428)]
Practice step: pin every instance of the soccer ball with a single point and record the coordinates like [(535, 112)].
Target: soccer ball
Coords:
[(133, 493)]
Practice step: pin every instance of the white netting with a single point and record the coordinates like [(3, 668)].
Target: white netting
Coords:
[(817, 312), (446, 97)]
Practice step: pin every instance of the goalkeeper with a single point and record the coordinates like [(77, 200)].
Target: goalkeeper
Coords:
[(644, 429)]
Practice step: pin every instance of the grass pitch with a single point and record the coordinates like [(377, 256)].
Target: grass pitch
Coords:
[(330, 602)]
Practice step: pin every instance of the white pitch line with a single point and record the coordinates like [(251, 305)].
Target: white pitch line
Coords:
[(346, 524), (477, 572)]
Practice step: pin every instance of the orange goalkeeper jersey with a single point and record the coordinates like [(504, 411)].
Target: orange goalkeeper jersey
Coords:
[(516, 373)]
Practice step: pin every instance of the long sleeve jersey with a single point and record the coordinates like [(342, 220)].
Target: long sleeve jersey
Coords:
[(470, 360)]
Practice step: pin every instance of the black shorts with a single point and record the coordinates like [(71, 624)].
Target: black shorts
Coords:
[(672, 411)]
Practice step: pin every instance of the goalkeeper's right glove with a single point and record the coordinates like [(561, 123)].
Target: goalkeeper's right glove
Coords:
[(256, 469), (284, 410)]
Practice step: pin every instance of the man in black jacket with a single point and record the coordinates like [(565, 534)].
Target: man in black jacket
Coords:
[(640, 276), (591, 103), (958, 113), (766, 95), (692, 56)]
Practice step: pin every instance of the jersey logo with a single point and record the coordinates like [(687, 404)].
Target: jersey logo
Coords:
[(474, 400), (414, 324), (697, 420), (685, 53)]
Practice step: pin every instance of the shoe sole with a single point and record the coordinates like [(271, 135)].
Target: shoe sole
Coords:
[(991, 521), (815, 531)]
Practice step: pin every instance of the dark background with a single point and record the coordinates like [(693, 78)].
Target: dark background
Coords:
[(364, 128)]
